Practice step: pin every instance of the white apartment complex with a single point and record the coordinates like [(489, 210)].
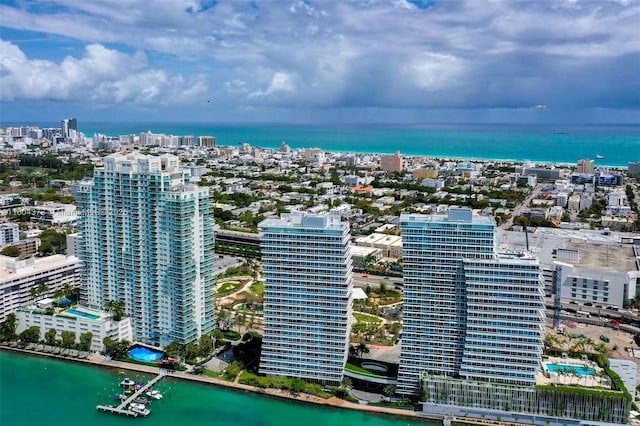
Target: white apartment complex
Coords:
[(308, 297), (146, 238), (18, 277), (78, 320)]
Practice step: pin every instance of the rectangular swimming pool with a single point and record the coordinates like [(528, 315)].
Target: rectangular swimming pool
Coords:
[(81, 314), (578, 369)]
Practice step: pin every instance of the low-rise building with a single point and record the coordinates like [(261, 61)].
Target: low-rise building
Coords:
[(19, 276), (599, 274), (78, 320), (9, 234), (54, 213), (391, 245)]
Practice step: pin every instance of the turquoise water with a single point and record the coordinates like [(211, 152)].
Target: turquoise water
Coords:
[(556, 144), (82, 314), (144, 354), (42, 391), (580, 370)]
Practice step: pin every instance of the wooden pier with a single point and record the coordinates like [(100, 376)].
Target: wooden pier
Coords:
[(122, 408)]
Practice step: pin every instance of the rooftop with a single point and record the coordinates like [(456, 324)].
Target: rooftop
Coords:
[(11, 268)]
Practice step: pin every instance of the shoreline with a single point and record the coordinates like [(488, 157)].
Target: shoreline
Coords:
[(276, 393)]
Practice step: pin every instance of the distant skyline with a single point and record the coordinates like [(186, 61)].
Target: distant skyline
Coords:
[(369, 61)]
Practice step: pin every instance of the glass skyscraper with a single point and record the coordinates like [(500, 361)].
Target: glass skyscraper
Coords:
[(308, 297), (468, 311), (146, 237)]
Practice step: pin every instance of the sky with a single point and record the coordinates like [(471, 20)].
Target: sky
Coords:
[(361, 61)]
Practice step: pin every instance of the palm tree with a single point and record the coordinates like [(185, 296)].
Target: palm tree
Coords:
[(33, 292), (58, 294), (42, 288), (362, 349), (115, 308)]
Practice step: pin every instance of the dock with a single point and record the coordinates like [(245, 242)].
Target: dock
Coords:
[(122, 408)]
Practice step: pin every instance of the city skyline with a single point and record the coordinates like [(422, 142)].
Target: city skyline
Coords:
[(333, 62)]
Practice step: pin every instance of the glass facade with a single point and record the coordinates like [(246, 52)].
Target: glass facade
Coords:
[(442, 331), (308, 297), (146, 238)]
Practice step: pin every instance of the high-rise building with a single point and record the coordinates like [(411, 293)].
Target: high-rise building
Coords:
[(585, 166), (146, 237), (206, 141), (67, 125), (308, 297), (391, 163), (468, 311), (634, 168)]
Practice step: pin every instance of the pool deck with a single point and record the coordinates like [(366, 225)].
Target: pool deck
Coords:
[(548, 378)]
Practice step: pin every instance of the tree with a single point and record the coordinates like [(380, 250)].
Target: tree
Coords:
[(85, 341), (33, 292), (68, 339), (115, 308), (115, 349), (362, 349), (8, 327), (353, 351), (205, 345), (71, 292), (228, 323), (31, 334), (50, 337), (42, 288), (11, 251), (297, 385), (347, 384), (389, 390), (173, 349), (58, 294)]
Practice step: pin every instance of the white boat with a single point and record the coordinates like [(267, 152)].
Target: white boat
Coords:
[(599, 157), (154, 394), (139, 409), (127, 382)]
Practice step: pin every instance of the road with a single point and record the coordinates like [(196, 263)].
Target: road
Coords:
[(363, 280), (516, 212), (224, 261)]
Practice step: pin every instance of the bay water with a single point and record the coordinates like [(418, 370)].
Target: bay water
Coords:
[(49, 392)]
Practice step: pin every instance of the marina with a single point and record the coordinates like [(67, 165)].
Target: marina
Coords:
[(133, 405)]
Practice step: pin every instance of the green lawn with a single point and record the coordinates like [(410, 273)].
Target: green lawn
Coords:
[(359, 370), (212, 373), (229, 287), (366, 318), (257, 288)]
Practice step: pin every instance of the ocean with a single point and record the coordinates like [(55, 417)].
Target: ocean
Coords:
[(550, 144), (556, 144), (49, 392)]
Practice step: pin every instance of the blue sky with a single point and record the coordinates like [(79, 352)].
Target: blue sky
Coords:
[(321, 61)]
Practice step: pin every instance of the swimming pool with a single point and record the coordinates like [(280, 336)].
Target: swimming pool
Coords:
[(82, 314), (578, 369), (140, 353)]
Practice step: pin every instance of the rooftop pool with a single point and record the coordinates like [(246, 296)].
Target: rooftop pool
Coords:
[(577, 369), (83, 314)]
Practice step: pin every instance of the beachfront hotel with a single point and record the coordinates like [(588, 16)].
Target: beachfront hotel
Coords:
[(308, 297), (146, 237), (469, 312)]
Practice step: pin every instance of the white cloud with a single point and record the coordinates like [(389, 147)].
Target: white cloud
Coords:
[(101, 75), (368, 53), (280, 82)]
